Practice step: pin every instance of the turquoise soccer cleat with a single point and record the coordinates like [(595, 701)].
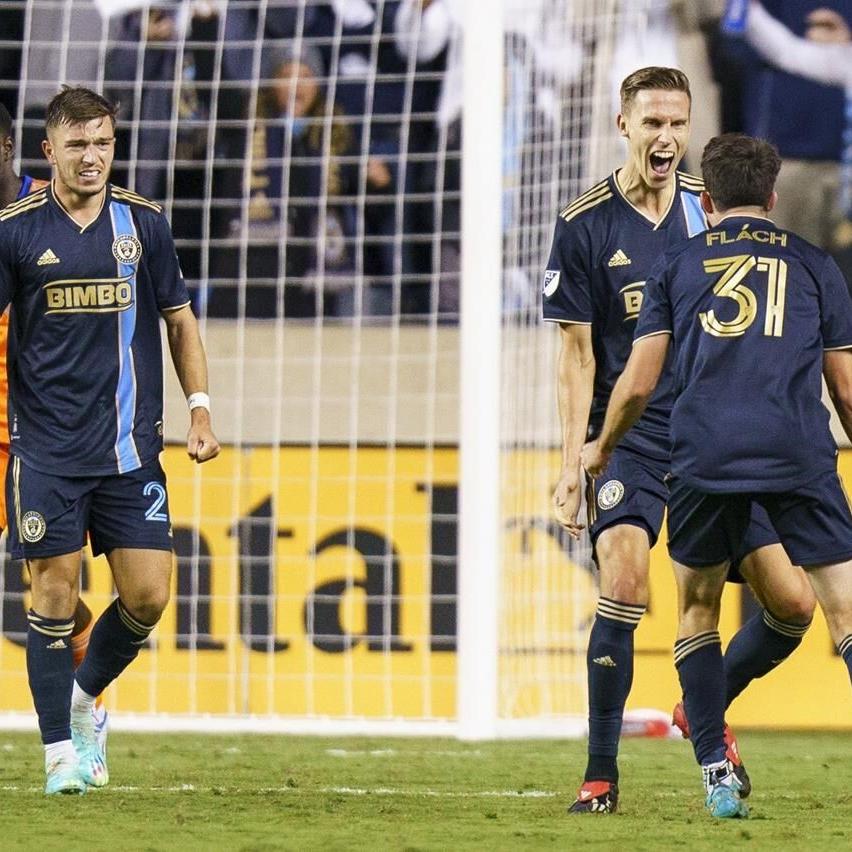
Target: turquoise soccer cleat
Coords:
[(723, 792), (64, 778), (101, 719), (88, 733), (732, 749)]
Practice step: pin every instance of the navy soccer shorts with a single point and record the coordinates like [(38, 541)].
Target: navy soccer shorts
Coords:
[(759, 533), (631, 490), (51, 515), (813, 522)]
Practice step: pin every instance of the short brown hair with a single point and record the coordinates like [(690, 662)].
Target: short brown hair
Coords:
[(739, 170), (78, 105), (653, 77)]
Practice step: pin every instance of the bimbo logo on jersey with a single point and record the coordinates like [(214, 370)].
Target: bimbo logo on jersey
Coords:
[(102, 295)]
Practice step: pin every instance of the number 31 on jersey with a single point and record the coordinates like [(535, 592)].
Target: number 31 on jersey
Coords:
[(730, 286)]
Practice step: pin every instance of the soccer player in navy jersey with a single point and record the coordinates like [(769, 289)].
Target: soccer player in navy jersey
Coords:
[(755, 317), (605, 245), (89, 269), (14, 187)]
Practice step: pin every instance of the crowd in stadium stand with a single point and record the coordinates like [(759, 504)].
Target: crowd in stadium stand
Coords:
[(341, 144), (335, 135)]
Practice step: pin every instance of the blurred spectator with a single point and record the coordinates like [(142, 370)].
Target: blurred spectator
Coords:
[(805, 120), (826, 58), (301, 226), (539, 61), (162, 61), (695, 20), (248, 27), (376, 93), (141, 76), (389, 98)]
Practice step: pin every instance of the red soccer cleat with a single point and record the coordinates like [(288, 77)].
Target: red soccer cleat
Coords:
[(732, 750), (596, 797)]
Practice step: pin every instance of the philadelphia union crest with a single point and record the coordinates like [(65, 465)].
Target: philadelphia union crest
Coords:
[(610, 494), (33, 527), (126, 249)]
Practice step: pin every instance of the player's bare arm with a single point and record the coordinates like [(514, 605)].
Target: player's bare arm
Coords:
[(837, 370), (190, 362), (629, 398), (575, 385)]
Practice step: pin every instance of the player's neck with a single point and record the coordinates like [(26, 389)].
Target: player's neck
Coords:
[(83, 209), (752, 212), (650, 201), (10, 186)]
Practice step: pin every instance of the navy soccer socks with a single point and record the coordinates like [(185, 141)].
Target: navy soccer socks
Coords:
[(698, 660), (609, 660), (116, 640), (845, 651), (50, 668), (761, 644)]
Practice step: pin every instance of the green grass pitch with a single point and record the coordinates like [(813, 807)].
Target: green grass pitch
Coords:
[(193, 792)]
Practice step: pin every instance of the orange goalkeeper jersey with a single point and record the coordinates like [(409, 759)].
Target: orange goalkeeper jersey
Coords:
[(29, 185)]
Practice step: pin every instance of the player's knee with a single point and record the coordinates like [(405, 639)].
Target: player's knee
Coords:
[(148, 604), (54, 597), (623, 567), (625, 581), (795, 608), (701, 604), (792, 601), (629, 587)]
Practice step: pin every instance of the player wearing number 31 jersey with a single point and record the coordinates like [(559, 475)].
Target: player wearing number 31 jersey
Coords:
[(605, 244), (755, 317)]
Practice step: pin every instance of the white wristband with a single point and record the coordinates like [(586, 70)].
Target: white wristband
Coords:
[(199, 399)]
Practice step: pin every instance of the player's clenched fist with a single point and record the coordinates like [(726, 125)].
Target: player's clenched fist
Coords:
[(201, 443), (566, 502), (593, 459)]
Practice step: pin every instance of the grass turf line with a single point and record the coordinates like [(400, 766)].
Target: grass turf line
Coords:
[(259, 793)]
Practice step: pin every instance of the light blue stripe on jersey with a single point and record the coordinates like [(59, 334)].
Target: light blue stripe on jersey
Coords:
[(126, 453), (695, 221)]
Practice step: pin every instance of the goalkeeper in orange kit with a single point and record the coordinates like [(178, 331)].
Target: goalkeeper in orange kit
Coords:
[(12, 188)]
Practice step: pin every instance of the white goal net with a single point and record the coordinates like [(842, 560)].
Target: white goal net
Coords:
[(309, 156)]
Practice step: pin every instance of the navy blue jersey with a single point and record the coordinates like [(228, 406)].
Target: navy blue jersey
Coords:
[(85, 356), (751, 309), (603, 250)]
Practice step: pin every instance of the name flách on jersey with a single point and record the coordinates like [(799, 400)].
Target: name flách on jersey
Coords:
[(100, 295), (720, 238)]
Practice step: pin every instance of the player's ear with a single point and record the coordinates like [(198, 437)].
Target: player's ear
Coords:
[(772, 201), (8, 148), (707, 203), (621, 124), (47, 150)]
